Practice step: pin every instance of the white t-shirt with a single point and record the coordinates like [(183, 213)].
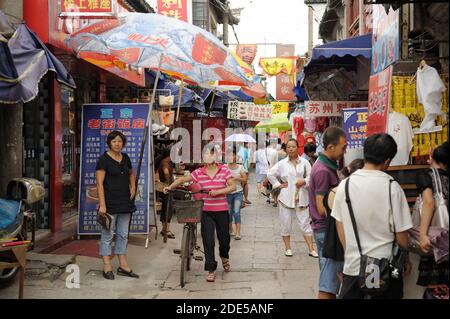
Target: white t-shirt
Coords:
[(429, 90), (399, 127), (237, 173), (369, 195), (265, 159)]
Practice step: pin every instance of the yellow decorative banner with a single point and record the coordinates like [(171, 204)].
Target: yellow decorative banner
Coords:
[(276, 66), (280, 107)]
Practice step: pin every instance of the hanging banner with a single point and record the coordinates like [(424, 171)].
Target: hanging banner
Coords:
[(276, 66), (178, 9), (286, 82), (330, 108), (385, 38), (379, 99), (355, 126), (247, 52), (280, 107), (98, 120), (249, 111)]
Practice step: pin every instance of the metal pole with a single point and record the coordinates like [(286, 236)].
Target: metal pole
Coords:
[(180, 95), (144, 140), (310, 30)]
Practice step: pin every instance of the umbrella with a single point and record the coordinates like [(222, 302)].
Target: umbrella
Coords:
[(190, 53), (279, 121), (240, 138), (24, 61)]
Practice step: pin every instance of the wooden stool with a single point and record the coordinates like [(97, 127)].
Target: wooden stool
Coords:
[(20, 254)]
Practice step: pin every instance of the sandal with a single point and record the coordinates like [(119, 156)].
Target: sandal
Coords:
[(211, 277), (226, 265), (169, 234)]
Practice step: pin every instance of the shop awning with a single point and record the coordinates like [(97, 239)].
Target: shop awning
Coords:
[(24, 61), (356, 46), (190, 101)]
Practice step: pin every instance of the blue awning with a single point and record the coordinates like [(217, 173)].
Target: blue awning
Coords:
[(24, 60), (356, 46), (190, 101)]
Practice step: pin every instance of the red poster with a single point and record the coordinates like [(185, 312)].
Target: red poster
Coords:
[(379, 98), (90, 6), (285, 83), (247, 52), (174, 8)]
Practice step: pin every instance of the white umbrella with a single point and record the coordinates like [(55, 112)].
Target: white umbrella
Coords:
[(240, 138)]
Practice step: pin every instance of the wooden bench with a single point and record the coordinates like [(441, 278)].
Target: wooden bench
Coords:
[(19, 253)]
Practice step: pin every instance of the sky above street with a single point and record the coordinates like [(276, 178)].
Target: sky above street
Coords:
[(272, 21)]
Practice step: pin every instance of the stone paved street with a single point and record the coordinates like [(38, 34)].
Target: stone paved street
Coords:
[(259, 268)]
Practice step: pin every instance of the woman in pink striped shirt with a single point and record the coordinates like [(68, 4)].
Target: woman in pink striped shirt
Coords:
[(218, 181)]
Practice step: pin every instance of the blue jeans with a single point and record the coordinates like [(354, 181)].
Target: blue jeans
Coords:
[(234, 206), (329, 268), (119, 225)]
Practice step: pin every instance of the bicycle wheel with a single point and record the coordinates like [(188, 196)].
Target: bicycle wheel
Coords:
[(184, 254), (191, 245)]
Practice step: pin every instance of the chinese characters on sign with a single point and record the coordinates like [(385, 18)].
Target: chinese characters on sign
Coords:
[(355, 126), (379, 98), (247, 52), (83, 7), (385, 40), (98, 121), (330, 108), (248, 111), (177, 9), (280, 107)]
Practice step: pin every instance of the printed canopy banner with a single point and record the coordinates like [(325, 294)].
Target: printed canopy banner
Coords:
[(249, 111), (379, 99), (330, 108)]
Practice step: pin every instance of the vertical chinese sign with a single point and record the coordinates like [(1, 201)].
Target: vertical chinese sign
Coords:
[(98, 121), (355, 126), (379, 99), (385, 38), (247, 52), (178, 9), (285, 83)]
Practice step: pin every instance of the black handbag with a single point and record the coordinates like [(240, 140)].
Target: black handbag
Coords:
[(375, 273), (332, 247)]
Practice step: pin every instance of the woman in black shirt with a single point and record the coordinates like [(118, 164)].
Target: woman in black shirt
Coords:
[(432, 274), (116, 190)]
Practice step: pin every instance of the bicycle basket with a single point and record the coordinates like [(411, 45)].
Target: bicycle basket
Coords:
[(188, 211)]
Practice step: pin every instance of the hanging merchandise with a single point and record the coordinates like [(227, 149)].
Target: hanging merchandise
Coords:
[(400, 129), (319, 142), (309, 138), (310, 124), (429, 93), (297, 126), (321, 124), (301, 144)]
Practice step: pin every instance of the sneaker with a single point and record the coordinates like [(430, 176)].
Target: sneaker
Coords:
[(313, 254), (288, 253), (232, 234)]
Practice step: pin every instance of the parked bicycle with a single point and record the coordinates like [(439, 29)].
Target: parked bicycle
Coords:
[(188, 211)]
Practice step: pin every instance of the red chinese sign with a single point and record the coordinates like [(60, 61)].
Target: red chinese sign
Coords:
[(330, 108), (379, 97), (177, 9), (87, 6), (207, 52), (247, 52), (285, 83)]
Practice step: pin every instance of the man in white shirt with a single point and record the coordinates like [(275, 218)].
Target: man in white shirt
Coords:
[(266, 157), (374, 215)]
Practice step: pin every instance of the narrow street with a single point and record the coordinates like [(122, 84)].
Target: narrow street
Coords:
[(259, 268)]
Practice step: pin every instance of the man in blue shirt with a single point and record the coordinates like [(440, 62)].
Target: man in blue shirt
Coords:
[(244, 154)]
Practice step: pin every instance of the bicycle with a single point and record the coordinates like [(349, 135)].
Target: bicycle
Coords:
[(188, 212)]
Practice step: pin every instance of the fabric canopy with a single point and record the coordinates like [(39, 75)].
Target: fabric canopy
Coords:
[(24, 61), (189, 99), (356, 46)]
